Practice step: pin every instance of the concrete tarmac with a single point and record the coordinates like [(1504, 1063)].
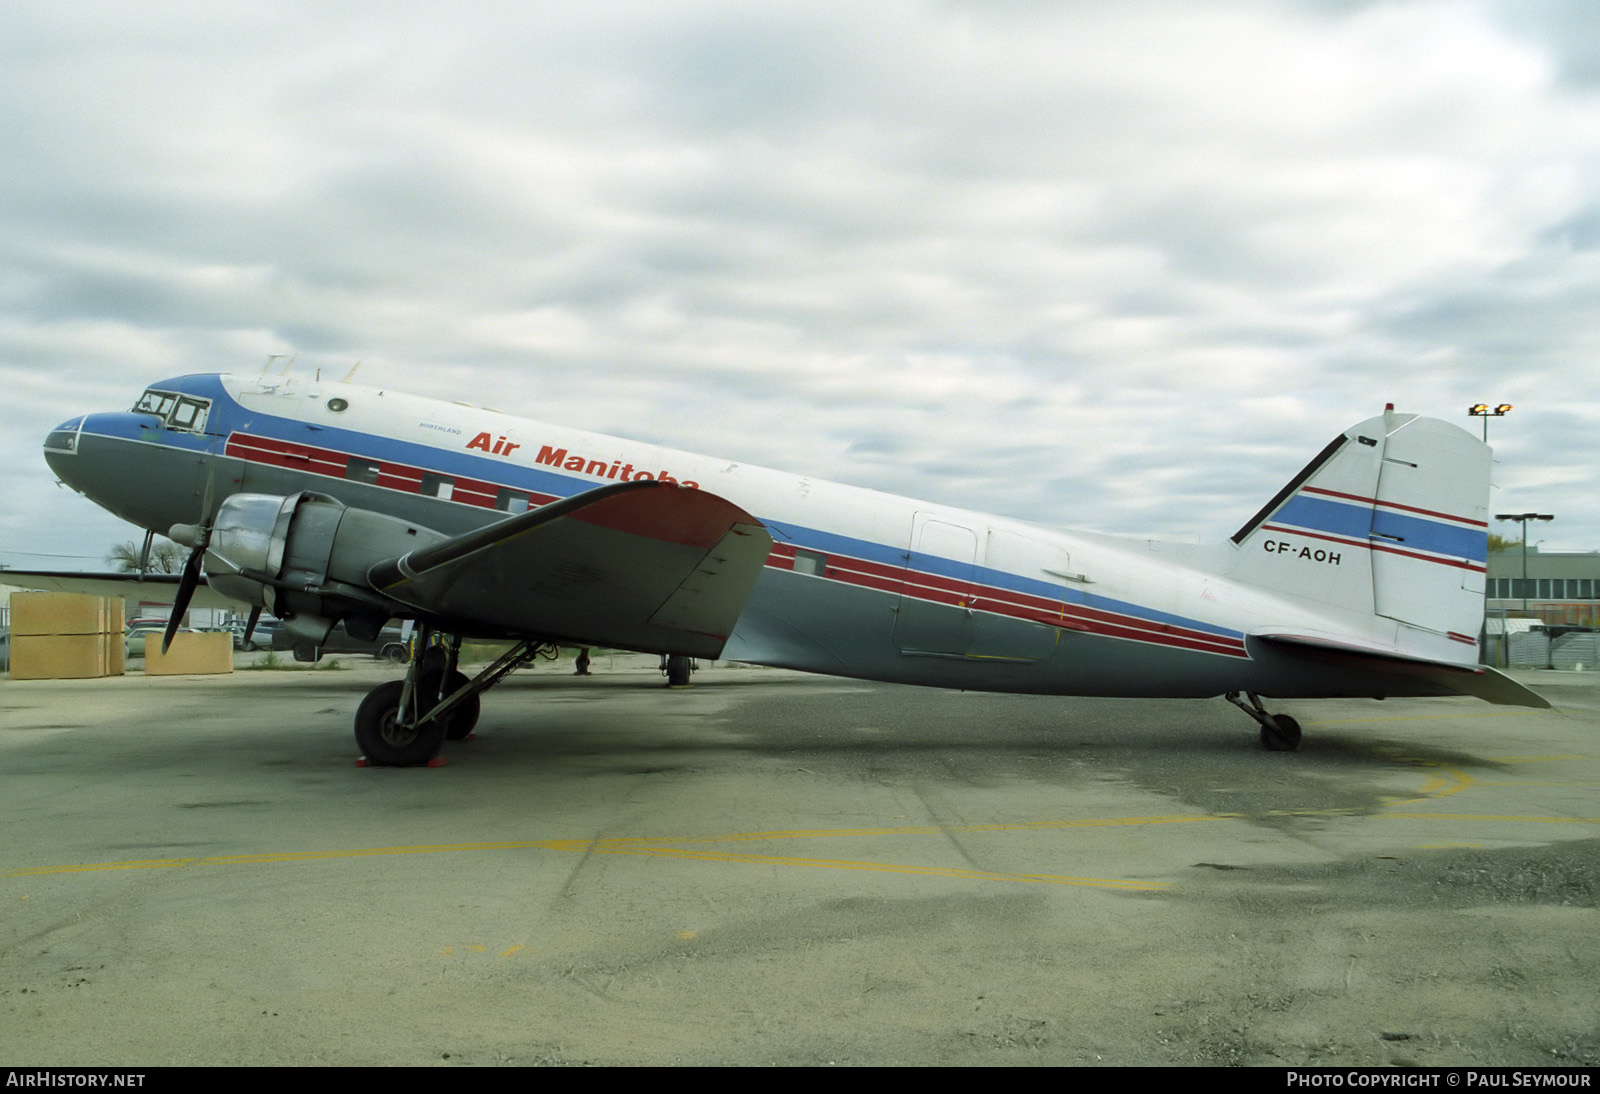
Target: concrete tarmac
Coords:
[(769, 868)]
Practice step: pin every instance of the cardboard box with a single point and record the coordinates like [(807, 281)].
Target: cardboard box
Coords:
[(189, 655), (64, 656), (64, 613)]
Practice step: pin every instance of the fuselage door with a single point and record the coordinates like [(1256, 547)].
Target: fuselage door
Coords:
[(935, 602), (981, 593)]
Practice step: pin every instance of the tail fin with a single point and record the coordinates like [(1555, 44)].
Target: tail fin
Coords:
[(1390, 521)]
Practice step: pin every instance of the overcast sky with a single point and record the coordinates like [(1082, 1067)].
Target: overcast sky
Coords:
[(1120, 266)]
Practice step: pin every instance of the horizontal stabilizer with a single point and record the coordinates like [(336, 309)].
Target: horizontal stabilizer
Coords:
[(640, 565), (1476, 680)]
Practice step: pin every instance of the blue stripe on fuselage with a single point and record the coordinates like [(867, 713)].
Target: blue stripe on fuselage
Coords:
[(227, 416)]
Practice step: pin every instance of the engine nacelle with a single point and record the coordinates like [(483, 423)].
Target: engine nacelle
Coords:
[(305, 559)]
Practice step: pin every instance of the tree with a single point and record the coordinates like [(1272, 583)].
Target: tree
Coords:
[(1501, 543), (166, 557)]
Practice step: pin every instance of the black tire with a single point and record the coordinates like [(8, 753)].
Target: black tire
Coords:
[(678, 669), (383, 741), (1281, 734), (394, 653), (458, 724)]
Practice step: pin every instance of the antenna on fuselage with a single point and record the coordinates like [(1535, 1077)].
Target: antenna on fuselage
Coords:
[(288, 358), (351, 375)]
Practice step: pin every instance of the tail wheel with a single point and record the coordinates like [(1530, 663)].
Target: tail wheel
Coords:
[(678, 669), (385, 740)]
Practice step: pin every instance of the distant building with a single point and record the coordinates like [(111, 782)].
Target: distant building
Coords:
[(1558, 588)]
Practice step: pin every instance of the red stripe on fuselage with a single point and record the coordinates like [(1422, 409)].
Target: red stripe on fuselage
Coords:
[(667, 520)]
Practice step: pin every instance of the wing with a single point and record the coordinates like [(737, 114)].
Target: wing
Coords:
[(151, 588), (641, 565)]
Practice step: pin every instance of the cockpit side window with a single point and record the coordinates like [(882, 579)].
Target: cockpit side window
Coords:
[(188, 414)]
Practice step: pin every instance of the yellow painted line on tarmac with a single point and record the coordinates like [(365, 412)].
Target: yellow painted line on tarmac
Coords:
[(693, 848), (1441, 782), (1445, 782)]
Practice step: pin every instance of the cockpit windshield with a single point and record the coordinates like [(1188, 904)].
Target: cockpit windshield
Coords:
[(181, 412), (155, 402)]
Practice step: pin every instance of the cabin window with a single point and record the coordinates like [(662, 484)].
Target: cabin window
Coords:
[(437, 486), (809, 562), (512, 501), (360, 470)]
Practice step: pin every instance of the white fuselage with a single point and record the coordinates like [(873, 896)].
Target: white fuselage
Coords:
[(859, 583)]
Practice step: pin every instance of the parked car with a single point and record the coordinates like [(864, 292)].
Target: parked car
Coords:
[(261, 638), (133, 638), (389, 645)]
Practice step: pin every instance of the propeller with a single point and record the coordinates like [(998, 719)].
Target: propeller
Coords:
[(198, 538)]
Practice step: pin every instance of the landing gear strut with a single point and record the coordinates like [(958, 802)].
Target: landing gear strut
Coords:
[(1279, 732), (405, 723)]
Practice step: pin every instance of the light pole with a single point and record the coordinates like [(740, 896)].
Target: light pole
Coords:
[(1523, 519), (1485, 411)]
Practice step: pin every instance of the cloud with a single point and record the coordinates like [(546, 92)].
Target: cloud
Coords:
[(1123, 266)]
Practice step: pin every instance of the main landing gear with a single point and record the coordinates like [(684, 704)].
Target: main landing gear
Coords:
[(1279, 732), (405, 723)]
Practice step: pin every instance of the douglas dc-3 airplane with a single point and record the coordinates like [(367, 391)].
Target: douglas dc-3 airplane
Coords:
[(327, 503)]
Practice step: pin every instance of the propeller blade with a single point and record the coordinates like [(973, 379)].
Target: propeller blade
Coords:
[(250, 625), (186, 584), (198, 537)]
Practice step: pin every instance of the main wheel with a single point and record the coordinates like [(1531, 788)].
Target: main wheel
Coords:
[(384, 740), (1281, 733), (459, 722), (678, 669)]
